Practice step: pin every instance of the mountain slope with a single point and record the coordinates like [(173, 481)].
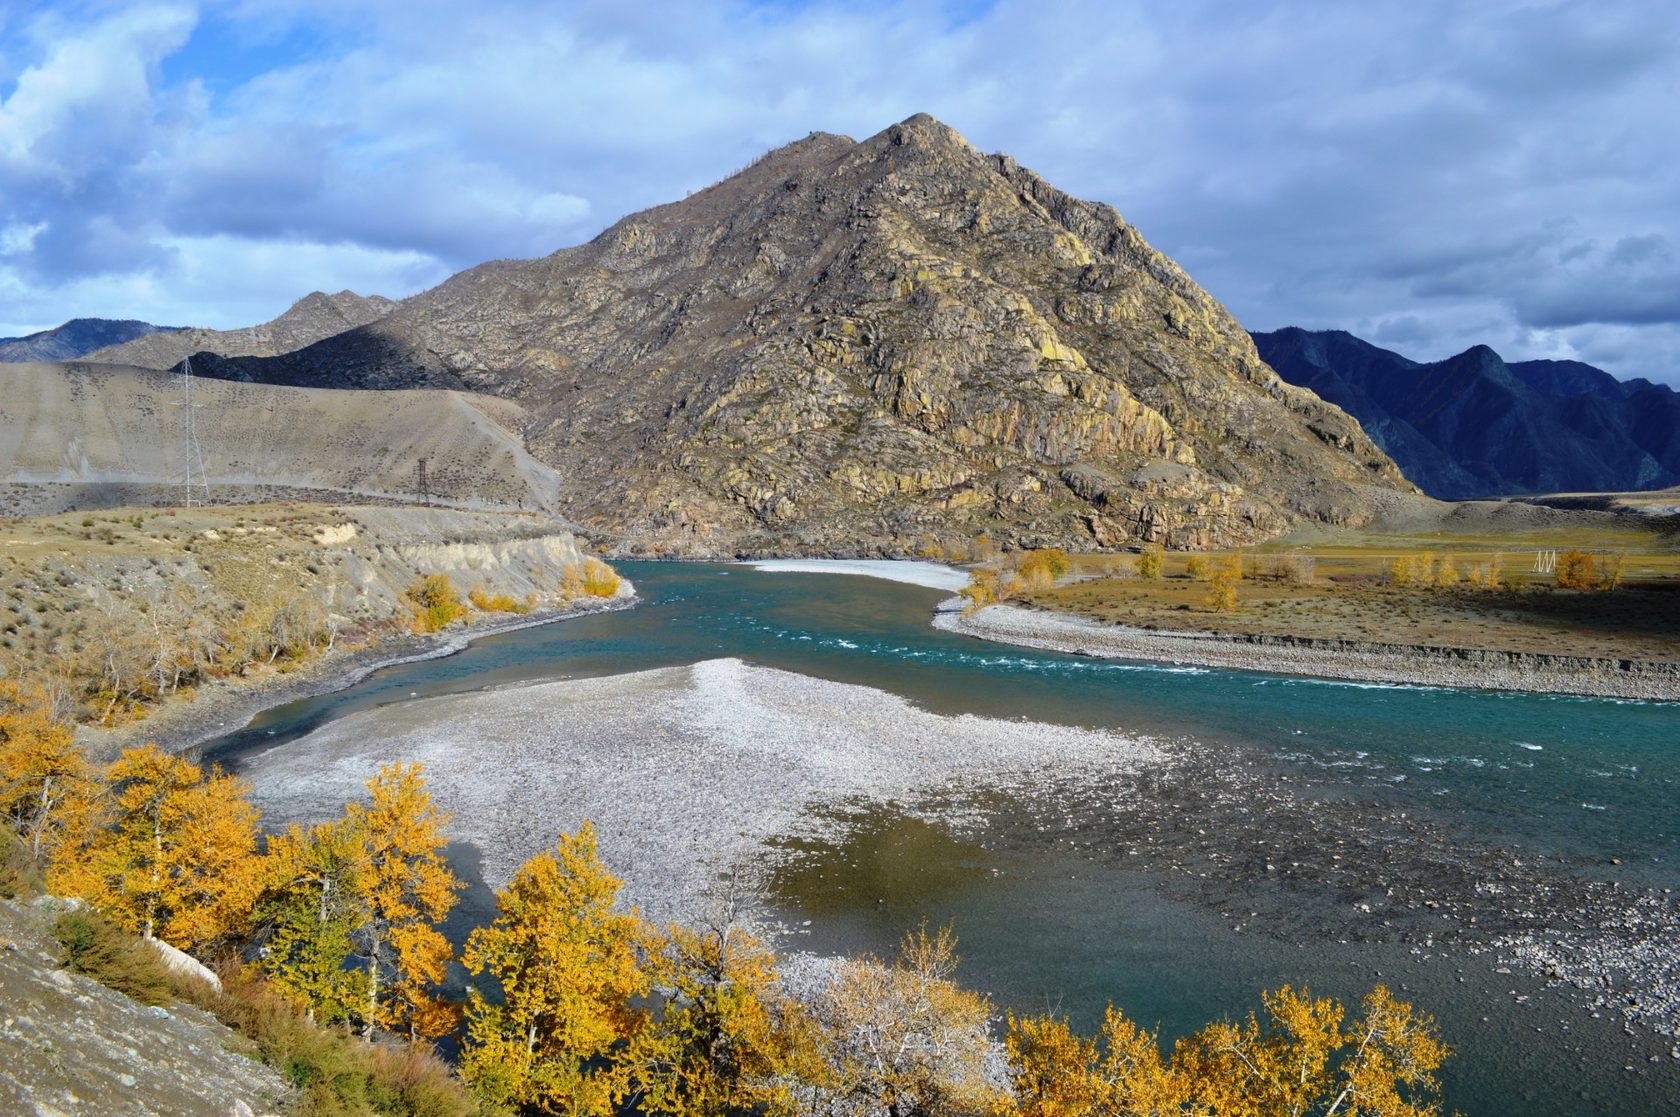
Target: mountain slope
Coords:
[(308, 320), (868, 346), (76, 338), (94, 435), (1474, 426)]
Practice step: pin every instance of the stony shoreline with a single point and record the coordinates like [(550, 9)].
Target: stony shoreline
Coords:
[(228, 705), (1392, 664)]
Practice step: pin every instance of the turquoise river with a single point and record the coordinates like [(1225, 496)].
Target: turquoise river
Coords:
[(1188, 912)]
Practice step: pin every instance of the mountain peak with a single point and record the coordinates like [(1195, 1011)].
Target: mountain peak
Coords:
[(924, 131)]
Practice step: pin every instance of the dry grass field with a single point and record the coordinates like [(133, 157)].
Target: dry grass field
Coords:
[(1348, 591)]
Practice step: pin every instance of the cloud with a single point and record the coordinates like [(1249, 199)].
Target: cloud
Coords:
[(1426, 168)]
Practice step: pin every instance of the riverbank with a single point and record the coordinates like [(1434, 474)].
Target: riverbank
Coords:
[(227, 704), (1356, 661)]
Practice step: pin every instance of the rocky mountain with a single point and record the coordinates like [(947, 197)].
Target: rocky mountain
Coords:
[(308, 320), (1476, 426), (76, 338), (875, 345)]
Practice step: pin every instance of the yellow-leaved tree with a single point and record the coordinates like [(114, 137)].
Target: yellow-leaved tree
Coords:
[(1301, 1060), (569, 967), (46, 781), (403, 890), (726, 1040), (172, 854), (314, 905)]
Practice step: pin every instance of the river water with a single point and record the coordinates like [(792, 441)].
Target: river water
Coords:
[(1066, 905)]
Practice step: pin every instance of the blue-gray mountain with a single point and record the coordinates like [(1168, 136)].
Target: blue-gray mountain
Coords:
[(1476, 426), (76, 338)]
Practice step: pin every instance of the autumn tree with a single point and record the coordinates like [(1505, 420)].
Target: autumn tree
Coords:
[(567, 967), (1196, 567), (46, 781), (1221, 594), (403, 891), (726, 1040), (1150, 560), (1301, 1059), (314, 906), (904, 1038), (1575, 571), (174, 854), (433, 603)]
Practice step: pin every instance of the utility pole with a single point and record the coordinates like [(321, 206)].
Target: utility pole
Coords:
[(194, 483)]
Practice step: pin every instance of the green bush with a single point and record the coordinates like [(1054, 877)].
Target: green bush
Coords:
[(95, 946), (335, 1073), (18, 874)]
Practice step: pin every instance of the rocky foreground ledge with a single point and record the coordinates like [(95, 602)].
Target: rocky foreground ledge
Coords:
[(1396, 664)]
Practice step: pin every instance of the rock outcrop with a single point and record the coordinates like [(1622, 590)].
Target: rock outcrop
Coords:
[(311, 318), (873, 346), (73, 1046)]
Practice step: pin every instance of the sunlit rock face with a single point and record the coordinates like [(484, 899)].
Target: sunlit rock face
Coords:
[(876, 346)]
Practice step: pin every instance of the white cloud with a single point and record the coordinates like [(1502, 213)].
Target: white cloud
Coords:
[(1447, 173)]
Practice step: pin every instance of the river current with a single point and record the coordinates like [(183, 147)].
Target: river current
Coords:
[(1057, 907)]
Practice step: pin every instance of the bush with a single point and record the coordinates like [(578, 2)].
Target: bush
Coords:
[(1196, 567), (1149, 561), (434, 603), (599, 579), (1575, 571), (1039, 569), (488, 602), (95, 946), (335, 1073)]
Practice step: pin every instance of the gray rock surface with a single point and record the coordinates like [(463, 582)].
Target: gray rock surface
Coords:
[(70, 1047)]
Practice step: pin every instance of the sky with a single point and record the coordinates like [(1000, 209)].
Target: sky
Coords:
[(1426, 175)]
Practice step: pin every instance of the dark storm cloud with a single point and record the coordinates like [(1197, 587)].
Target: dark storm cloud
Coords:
[(1428, 174)]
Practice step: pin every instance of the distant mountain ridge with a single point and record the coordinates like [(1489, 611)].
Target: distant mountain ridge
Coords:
[(77, 338), (874, 346), (1475, 425), (313, 317)]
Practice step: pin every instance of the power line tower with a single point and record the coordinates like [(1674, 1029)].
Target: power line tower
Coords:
[(195, 486), (425, 489)]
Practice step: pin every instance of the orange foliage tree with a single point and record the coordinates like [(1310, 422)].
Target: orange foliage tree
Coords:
[(171, 852), (46, 781), (403, 890)]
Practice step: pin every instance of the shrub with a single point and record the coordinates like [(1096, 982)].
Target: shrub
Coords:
[(1575, 571), (1445, 573), (335, 1073), (1294, 568), (434, 603), (1408, 570), (1039, 569), (18, 873), (488, 602), (1149, 561), (1196, 567), (95, 946), (599, 579)]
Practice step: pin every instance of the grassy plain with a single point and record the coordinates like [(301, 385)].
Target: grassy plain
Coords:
[(1349, 595)]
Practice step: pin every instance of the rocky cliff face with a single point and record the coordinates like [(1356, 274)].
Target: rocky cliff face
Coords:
[(870, 347), (1475, 426), (306, 321)]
